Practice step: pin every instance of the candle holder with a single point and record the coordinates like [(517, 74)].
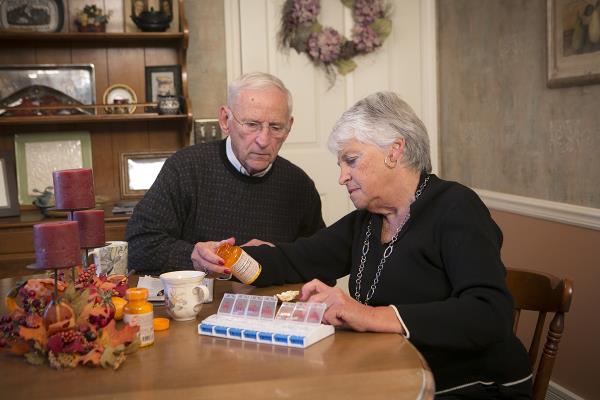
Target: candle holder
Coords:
[(70, 211), (85, 249)]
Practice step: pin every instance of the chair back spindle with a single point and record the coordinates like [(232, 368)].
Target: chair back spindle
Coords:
[(543, 293)]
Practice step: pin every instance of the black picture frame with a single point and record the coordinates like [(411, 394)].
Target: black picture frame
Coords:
[(9, 201), (169, 86), (32, 15)]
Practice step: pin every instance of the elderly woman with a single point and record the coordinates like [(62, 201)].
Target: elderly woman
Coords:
[(423, 256)]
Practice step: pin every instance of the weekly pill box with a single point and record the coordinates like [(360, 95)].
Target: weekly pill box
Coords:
[(256, 319)]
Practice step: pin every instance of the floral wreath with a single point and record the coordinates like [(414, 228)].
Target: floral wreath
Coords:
[(325, 46)]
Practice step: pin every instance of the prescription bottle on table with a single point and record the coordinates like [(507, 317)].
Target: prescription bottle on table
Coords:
[(139, 312), (245, 268)]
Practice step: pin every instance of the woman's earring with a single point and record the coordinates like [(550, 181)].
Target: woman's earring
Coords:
[(389, 163)]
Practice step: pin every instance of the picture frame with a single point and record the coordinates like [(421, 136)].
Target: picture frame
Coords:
[(39, 154), (162, 80), (74, 80), (139, 170), (32, 15), (573, 43), (136, 6), (9, 203), (133, 7)]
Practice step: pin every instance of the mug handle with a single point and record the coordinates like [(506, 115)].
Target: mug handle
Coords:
[(204, 290)]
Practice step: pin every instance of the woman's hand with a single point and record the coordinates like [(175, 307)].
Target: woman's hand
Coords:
[(205, 258), (344, 311)]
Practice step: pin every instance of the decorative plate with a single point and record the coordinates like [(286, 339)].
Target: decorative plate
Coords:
[(117, 97), (36, 16)]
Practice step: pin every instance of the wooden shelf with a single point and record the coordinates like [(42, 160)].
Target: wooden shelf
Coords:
[(95, 119), (59, 39), (117, 58)]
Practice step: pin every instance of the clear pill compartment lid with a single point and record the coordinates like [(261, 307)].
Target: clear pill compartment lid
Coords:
[(301, 312), (265, 307), (248, 306)]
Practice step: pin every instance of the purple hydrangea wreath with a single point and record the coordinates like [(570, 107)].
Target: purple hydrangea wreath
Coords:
[(325, 46)]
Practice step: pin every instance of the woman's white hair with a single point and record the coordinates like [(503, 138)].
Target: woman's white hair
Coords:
[(380, 119), (257, 80)]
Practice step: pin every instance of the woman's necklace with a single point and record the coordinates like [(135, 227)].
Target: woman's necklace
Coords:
[(386, 253)]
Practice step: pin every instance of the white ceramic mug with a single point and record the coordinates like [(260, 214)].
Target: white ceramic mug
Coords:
[(209, 283), (185, 292), (111, 259)]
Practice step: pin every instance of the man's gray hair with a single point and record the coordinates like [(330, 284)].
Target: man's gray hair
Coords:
[(380, 119), (256, 80)]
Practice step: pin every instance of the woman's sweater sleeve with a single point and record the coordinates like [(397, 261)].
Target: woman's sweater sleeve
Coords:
[(326, 256)]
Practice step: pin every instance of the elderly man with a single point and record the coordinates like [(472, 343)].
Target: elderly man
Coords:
[(238, 185)]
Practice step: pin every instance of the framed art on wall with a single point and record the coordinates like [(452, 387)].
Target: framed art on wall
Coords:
[(573, 30), (32, 15), (39, 154), (9, 204), (139, 170)]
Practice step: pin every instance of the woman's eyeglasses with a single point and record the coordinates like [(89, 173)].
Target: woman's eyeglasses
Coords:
[(253, 127)]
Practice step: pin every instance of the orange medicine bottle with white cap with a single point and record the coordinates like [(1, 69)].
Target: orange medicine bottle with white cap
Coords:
[(245, 268)]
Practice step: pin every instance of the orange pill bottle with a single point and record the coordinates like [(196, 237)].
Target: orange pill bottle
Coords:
[(245, 268), (139, 312)]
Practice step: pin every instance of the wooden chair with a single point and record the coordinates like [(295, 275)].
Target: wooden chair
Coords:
[(543, 293)]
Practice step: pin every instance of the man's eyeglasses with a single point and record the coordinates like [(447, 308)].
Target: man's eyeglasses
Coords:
[(253, 127)]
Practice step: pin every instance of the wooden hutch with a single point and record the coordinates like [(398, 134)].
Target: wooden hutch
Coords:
[(118, 58)]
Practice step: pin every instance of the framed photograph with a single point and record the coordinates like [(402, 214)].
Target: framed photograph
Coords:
[(75, 81), (139, 170), (136, 7), (573, 42), (32, 15), (39, 154), (9, 204), (162, 80)]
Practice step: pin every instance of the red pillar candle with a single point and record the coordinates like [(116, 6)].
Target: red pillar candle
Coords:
[(57, 244), (91, 227), (74, 188)]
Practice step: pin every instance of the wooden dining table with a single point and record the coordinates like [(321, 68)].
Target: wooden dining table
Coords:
[(185, 365)]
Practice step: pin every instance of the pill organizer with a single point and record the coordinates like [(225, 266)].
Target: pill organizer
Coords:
[(254, 318)]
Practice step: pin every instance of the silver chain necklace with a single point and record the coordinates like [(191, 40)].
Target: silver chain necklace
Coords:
[(386, 253)]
